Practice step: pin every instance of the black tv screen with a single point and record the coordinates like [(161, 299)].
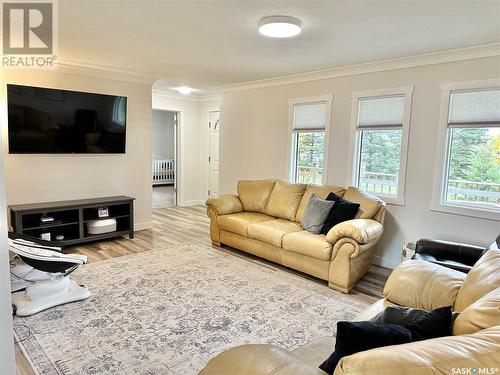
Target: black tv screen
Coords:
[(52, 121)]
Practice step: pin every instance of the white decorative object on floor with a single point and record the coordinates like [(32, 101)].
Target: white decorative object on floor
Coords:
[(408, 251), (56, 289), (101, 226)]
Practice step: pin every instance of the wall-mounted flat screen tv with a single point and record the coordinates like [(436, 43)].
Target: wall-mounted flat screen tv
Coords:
[(52, 121)]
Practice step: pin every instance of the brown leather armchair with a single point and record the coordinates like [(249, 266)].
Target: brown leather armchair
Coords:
[(454, 255)]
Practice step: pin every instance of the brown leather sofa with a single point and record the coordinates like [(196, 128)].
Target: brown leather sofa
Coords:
[(455, 255), (264, 220), (475, 342)]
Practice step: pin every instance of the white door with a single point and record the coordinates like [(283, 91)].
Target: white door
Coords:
[(213, 153)]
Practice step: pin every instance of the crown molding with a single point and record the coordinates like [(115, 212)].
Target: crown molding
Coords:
[(178, 96), (175, 95), (103, 71), (469, 53), (210, 98), (110, 72)]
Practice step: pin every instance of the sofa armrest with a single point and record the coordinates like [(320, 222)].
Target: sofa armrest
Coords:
[(444, 355), (468, 254), (225, 204), (362, 231), (258, 360), (416, 283)]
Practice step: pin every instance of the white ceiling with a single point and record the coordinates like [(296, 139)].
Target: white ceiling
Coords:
[(211, 43)]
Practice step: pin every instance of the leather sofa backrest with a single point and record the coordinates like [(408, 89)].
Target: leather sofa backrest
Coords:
[(284, 200), (321, 191), (369, 204), (483, 277), (254, 194), (484, 313)]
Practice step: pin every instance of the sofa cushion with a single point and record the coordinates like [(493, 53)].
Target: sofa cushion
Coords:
[(315, 215), (306, 243), (398, 315), (368, 203), (436, 323), (355, 337), (272, 231), (284, 200), (254, 195), (481, 279), (484, 313), (342, 211), (238, 223), (321, 191)]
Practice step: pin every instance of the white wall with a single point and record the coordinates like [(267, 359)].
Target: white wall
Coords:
[(40, 178), (6, 338), (254, 137), (163, 135)]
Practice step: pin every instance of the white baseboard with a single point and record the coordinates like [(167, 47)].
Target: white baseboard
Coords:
[(385, 262), (143, 226), (192, 203)]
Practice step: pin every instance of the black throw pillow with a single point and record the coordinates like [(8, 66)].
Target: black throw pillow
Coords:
[(398, 315), (354, 337), (436, 323), (342, 210)]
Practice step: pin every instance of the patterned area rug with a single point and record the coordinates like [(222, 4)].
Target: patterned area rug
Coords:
[(169, 311)]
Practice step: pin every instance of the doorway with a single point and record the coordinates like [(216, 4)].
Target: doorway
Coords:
[(164, 158), (213, 153)]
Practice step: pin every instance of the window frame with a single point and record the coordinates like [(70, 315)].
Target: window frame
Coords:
[(292, 143), (439, 202), (355, 148)]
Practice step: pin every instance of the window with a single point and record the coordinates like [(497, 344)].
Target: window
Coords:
[(381, 122), (310, 120), (471, 176)]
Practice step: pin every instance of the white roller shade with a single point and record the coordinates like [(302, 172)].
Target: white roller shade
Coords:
[(474, 107), (382, 111), (309, 116)]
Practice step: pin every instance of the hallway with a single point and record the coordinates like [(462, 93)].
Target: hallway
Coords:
[(163, 196)]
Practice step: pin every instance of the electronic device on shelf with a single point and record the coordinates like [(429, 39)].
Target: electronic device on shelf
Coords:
[(46, 219), (102, 212)]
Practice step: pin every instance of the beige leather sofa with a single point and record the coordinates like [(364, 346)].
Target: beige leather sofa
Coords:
[(264, 220), (475, 342)]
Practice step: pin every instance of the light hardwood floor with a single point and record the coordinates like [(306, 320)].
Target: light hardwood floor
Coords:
[(163, 196), (178, 225)]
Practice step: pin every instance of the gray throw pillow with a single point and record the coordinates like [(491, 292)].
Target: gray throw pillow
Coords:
[(315, 215), (397, 315)]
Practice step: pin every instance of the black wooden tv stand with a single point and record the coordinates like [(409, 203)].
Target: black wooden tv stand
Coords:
[(71, 218)]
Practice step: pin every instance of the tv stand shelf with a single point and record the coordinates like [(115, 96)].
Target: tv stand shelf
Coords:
[(71, 218)]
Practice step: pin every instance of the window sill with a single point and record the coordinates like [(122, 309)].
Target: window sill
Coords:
[(466, 211), (393, 201)]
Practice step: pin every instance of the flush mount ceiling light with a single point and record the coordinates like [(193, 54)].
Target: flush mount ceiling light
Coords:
[(280, 26), (184, 90)]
